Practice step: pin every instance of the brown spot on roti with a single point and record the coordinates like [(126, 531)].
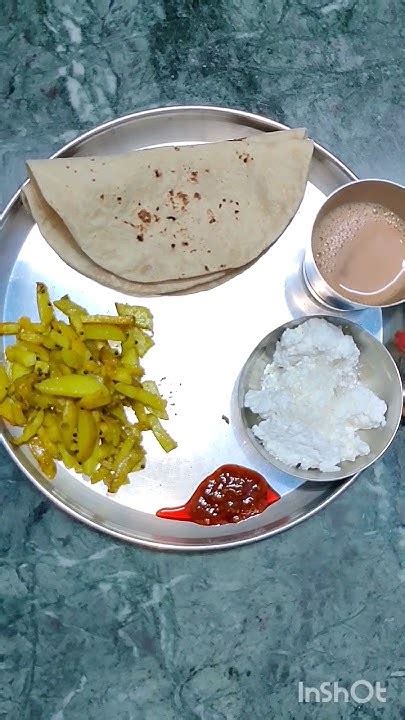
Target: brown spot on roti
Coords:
[(184, 198), (194, 176), (185, 243), (158, 173), (102, 196), (207, 268), (176, 148), (145, 216), (140, 238), (173, 245), (170, 217), (197, 195), (211, 217)]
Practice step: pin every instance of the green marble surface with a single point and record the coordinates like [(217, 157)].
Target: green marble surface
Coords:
[(95, 629)]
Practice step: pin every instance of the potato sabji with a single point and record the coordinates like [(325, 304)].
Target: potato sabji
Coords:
[(72, 386)]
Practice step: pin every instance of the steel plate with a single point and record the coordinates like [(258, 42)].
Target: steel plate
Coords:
[(202, 342)]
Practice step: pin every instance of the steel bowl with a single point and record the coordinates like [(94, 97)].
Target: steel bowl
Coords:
[(377, 370), (382, 192)]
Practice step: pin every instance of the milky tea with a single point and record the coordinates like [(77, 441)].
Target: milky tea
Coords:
[(359, 248)]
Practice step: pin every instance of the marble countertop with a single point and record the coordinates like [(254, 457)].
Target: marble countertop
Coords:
[(96, 629)]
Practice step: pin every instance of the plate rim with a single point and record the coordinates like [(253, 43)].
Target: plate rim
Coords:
[(249, 117)]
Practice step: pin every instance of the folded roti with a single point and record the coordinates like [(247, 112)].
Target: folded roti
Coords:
[(172, 214), (60, 239)]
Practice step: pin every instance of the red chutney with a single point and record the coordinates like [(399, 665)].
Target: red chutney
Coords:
[(230, 494)]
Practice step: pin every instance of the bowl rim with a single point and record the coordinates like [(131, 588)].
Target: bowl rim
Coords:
[(242, 387)]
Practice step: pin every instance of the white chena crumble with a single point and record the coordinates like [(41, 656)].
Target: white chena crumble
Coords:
[(312, 402)]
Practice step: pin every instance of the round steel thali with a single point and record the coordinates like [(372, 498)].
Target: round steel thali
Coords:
[(202, 341)]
